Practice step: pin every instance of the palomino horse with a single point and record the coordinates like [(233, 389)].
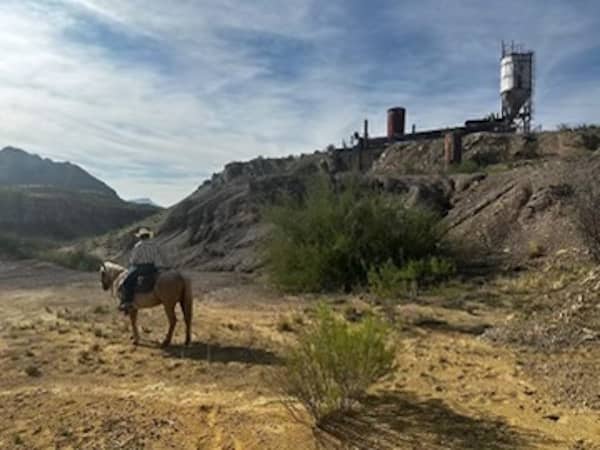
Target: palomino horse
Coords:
[(171, 287)]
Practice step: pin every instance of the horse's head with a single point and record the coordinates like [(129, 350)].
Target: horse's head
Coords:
[(108, 274), (104, 278)]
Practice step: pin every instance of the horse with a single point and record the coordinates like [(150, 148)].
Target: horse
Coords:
[(171, 287)]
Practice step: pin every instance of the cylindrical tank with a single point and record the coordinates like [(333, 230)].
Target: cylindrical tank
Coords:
[(516, 72), (396, 118), (516, 81)]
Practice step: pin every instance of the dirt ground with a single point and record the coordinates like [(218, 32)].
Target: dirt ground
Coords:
[(71, 379)]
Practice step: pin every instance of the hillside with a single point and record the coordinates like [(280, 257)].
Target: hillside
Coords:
[(512, 192), (40, 198), (19, 168)]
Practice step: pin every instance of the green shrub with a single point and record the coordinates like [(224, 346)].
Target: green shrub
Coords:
[(535, 249), (25, 248), (466, 166), (328, 241), (20, 248), (335, 362), (390, 281), (77, 259)]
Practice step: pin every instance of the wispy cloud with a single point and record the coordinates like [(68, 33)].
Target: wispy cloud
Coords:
[(154, 96)]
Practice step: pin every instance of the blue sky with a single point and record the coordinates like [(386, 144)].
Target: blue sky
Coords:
[(155, 96)]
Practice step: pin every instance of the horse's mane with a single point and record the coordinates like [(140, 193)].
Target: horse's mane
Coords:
[(112, 269)]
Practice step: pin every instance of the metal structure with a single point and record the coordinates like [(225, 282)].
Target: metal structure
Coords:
[(396, 120), (516, 86), (453, 147)]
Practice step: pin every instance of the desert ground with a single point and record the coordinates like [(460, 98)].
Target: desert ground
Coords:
[(71, 379)]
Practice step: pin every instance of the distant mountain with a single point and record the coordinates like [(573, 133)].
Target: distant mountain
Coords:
[(144, 201), (45, 199), (19, 168)]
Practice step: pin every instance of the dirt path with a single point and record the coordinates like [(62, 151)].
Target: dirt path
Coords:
[(70, 378)]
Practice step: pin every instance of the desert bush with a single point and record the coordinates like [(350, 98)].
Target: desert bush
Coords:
[(20, 248), (466, 166), (75, 259), (578, 127), (328, 240), (24, 248), (589, 134), (390, 281), (335, 362)]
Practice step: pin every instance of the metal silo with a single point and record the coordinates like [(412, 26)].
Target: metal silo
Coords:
[(516, 85), (396, 118)]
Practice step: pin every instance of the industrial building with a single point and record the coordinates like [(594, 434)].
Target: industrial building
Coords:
[(516, 111)]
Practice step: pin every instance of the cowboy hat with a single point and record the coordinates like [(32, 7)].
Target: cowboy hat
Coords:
[(144, 232)]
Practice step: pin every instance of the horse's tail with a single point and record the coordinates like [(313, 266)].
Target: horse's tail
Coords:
[(187, 306)]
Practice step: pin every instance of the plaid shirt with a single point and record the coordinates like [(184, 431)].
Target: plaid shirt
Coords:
[(147, 252)]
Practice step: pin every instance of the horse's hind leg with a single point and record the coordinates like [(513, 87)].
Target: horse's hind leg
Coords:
[(170, 311), (133, 317)]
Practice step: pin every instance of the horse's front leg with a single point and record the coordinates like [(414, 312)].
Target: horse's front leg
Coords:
[(170, 311), (133, 313)]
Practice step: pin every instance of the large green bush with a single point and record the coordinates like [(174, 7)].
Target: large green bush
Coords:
[(329, 240), (335, 362)]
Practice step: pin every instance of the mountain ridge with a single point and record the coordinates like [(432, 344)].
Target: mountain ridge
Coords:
[(21, 168), (41, 198)]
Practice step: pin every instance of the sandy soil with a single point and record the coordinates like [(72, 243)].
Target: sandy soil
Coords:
[(70, 378)]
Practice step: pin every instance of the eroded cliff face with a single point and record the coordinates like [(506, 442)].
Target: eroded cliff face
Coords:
[(518, 192)]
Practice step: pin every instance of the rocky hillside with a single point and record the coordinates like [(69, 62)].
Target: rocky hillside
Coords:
[(512, 194), (43, 199)]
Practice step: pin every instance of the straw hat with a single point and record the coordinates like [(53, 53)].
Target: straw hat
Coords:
[(144, 232)]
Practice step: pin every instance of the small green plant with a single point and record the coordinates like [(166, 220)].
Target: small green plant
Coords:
[(466, 166), (284, 325), (535, 249), (389, 281), (33, 371), (101, 309), (335, 362), (18, 440)]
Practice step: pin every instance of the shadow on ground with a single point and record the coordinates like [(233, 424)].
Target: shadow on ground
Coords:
[(401, 420), (443, 326), (210, 352)]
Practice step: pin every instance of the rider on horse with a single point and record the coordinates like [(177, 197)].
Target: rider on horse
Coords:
[(145, 260)]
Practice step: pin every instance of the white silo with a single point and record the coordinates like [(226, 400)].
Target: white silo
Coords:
[(516, 86)]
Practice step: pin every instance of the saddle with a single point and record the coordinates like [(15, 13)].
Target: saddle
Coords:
[(145, 283)]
